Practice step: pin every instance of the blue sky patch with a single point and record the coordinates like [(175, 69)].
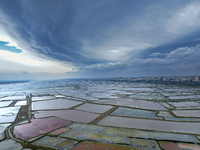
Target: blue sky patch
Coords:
[(4, 46)]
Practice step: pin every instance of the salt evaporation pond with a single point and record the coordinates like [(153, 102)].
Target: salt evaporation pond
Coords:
[(133, 103), (94, 108), (147, 124), (121, 111), (21, 103), (8, 114), (54, 104), (185, 104), (13, 98), (37, 127), (187, 113), (5, 103), (71, 115), (35, 98)]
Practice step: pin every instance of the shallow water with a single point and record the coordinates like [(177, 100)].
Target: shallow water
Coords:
[(134, 110), (71, 115), (94, 108), (147, 124), (8, 114), (37, 127), (133, 103), (13, 98), (54, 104), (5, 103), (121, 111)]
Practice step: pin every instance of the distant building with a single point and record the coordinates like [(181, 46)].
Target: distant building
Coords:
[(196, 78)]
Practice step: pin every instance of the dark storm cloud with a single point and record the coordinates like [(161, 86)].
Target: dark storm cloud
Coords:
[(184, 60), (57, 29), (44, 26)]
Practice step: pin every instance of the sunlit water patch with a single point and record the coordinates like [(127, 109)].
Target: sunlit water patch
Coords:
[(54, 104), (8, 114)]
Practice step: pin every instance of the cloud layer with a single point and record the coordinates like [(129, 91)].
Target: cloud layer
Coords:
[(102, 38)]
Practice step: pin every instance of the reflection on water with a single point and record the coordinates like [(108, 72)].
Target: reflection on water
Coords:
[(6, 103), (107, 103), (38, 126), (8, 114), (13, 98), (72, 115), (54, 104)]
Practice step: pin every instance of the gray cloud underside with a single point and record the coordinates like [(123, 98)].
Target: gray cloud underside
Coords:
[(184, 59)]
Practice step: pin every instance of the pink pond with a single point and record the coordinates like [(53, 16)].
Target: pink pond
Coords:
[(38, 126)]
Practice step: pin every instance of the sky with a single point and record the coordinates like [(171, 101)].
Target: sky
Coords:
[(51, 39)]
